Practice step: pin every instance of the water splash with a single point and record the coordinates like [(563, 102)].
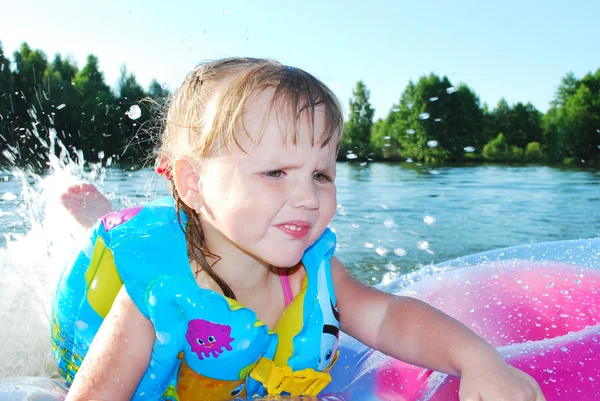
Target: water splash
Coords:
[(39, 238)]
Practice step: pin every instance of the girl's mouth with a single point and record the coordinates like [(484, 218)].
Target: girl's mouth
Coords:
[(295, 229)]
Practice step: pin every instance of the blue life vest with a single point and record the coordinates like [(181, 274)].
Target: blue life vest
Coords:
[(208, 347)]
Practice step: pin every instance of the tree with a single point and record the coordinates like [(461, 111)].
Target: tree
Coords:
[(497, 149), (100, 113), (29, 102), (157, 91), (7, 110), (523, 124), (567, 88), (357, 131), (572, 122), (63, 99), (434, 121), (130, 96)]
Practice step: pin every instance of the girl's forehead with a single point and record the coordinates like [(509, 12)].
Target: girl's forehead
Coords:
[(266, 118)]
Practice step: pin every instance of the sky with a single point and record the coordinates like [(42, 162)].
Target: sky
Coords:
[(513, 49)]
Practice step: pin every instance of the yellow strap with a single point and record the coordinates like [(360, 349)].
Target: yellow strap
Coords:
[(277, 380)]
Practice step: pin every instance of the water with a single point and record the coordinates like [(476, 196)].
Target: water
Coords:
[(391, 219)]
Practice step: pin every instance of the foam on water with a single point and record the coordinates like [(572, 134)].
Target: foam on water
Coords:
[(32, 260)]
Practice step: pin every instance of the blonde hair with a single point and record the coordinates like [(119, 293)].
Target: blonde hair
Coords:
[(191, 130)]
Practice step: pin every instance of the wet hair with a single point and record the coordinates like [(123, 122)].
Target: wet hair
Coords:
[(206, 114)]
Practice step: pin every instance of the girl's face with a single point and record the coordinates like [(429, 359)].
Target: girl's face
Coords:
[(274, 200)]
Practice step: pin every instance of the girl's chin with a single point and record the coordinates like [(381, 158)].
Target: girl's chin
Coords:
[(285, 262)]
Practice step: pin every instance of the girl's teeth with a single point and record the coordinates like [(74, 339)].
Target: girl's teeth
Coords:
[(293, 228)]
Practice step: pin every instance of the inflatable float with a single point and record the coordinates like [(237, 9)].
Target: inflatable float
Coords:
[(538, 304)]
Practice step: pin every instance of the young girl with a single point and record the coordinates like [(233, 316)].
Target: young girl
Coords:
[(231, 287)]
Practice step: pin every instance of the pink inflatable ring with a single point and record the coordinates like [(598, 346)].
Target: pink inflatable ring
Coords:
[(539, 305)]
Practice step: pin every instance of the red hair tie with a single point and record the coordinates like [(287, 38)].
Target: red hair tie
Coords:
[(163, 168)]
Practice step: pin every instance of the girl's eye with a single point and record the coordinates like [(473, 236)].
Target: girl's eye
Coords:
[(274, 174), (320, 177)]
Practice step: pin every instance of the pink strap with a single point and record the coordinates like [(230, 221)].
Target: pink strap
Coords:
[(288, 295)]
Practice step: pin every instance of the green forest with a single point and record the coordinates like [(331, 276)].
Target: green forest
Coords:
[(42, 100), (434, 121), (437, 122)]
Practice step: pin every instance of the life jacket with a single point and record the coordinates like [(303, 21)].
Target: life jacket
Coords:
[(207, 346)]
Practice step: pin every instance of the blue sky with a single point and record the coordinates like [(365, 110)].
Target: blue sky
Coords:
[(518, 50)]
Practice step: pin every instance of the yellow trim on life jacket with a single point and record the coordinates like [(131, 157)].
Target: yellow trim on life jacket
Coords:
[(289, 325), (103, 281), (300, 382)]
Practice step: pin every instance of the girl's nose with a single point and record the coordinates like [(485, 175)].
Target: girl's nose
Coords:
[(304, 195)]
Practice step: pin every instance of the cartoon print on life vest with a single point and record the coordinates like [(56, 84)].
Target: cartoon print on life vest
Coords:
[(114, 219), (331, 321), (208, 338)]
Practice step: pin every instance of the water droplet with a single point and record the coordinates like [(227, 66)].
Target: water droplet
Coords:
[(400, 252), (351, 156), (409, 160), (163, 337), (564, 315), (469, 149), (451, 90), (429, 220), (389, 223), (550, 285), (134, 112), (432, 144), (437, 120), (368, 245), (410, 131), (381, 251), (564, 349), (81, 325), (391, 267), (61, 106), (424, 116), (387, 138), (9, 196), (164, 85), (423, 245), (434, 99)]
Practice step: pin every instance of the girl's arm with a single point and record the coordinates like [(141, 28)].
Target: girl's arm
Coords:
[(413, 331), (118, 356)]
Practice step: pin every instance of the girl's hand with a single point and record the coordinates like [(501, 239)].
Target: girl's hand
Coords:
[(497, 381)]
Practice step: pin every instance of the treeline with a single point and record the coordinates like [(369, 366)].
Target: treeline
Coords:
[(435, 121), (41, 100)]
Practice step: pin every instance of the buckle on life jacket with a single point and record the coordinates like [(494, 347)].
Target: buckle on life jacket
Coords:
[(277, 379)]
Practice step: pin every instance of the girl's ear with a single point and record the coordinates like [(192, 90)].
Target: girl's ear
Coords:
[(188, 182)]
